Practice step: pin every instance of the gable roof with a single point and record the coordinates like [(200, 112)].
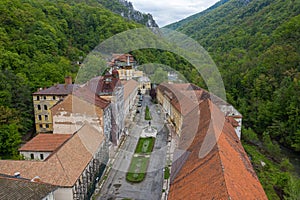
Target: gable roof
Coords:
[(81, 101), (122, 58), (58, 89), (45, 142), (15, 188), (181, 96), (214, 164), (63, 167), (99, 86), (129, 87)]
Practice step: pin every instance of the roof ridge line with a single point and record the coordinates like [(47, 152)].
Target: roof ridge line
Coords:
[(213, 106)]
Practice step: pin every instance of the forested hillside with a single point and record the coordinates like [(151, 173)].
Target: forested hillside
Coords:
[(195, 16), (40, 43), (256, 45)]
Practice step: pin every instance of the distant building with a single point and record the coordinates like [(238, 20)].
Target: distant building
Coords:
[(144, 84), (126, 66), (43, 145), (130, 94), (44, 99), (20, 188), (180, 99), (73, 167)]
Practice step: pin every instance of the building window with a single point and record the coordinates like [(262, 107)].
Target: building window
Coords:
[(53, 97), (45, 107), (45, 97), (38, 98), (39, 107), (32, 156), (46, 117), (42, 156), (40, 117), (47, 125), (41, 125)]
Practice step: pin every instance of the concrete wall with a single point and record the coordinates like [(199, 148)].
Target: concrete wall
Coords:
[(68, 123), (107, 122), (50, 196), (27, 155), (63, 194)]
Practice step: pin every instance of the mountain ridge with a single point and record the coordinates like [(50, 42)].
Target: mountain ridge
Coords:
[(126, 10)]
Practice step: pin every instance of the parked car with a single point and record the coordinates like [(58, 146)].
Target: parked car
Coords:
[(139, 105)]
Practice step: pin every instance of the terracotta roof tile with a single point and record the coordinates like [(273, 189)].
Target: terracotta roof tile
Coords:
[(122, 58), (129, 87), (59, 89), (16, 188), (97, 85), (81, 101), (182, 96), (214, 165), (64, 166), (45, 142)]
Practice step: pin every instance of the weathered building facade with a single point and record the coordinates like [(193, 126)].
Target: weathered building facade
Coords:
[(130, 94), (82, 107), (73, 168), (45, 99), (178, 100), (43, 145)]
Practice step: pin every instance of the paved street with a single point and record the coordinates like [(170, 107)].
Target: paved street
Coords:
[(116, 186)]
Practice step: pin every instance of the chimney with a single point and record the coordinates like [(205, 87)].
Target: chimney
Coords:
[(128, 60), (68, 80)]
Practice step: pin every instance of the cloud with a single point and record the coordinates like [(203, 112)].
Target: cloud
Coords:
[(166, 11)]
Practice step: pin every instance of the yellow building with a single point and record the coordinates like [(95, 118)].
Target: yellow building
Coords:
[(176, 103), (45, 99), (144, 84)]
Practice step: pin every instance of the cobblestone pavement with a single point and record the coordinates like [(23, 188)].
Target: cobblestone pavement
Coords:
[(115, 186)]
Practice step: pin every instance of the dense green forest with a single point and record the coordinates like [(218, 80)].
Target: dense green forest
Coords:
[(40, 43), (256, 46)]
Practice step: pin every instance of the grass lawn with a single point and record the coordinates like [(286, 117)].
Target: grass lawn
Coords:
[(147, 113), (167, 173), (145, 145), (139, 163), (137, 169)]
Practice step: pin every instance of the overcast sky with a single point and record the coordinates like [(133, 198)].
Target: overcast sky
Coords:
[(169, 11)]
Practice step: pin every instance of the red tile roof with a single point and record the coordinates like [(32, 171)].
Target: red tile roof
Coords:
[(16, 188), (184, 97), (122, 58), (59, 89), (45, 142), (98, 85), (212, 163), (64, 166), (81, 101), (129, 87)]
